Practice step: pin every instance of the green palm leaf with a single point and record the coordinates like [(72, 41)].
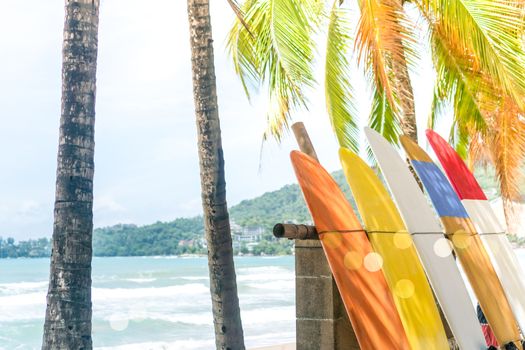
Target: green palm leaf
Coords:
[(274, 47), (383, 120), (491, 30), (338, 89), (458, 84)]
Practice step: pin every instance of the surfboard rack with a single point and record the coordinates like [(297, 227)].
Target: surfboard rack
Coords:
[(293, 231)]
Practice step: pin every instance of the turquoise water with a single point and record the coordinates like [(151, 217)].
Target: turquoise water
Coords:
[(153, 302)]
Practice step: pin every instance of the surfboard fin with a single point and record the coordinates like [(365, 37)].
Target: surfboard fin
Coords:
[(510, 346)]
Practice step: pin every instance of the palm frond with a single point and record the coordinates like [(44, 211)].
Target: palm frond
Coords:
[(384, 38), (460, 139), (467, 109), (507, 146), (238, 12), (502, 143), (490, 31), (486, 117), (277, 50), (241, 44), (338, 89), (438, 107), (468, 121), (460, 86), (383, 120), (478, 152), (290, 32)]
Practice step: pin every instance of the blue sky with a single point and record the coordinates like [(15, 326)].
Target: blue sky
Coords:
[(146, 163)]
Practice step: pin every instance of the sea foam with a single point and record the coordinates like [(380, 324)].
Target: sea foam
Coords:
[(192, 289)]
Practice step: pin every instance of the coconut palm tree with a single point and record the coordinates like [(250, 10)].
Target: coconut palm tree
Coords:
[(476, 47), (68, 314), (223, 287)]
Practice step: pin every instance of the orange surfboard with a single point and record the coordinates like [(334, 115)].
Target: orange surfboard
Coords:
[(365, 293)]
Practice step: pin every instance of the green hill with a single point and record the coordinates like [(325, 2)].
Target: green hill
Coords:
[(186, 235), (284, 205), (260, 214), (180, 236)]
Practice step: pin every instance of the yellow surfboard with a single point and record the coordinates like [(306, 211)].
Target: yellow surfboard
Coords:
[(396, 255)]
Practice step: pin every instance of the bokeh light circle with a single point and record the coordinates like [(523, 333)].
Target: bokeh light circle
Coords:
[(443, 247), (373, 262), (402, 239), (461, 239), (404, 288)]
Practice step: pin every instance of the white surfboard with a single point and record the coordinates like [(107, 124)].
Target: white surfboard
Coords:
[(490, 230), (433, 248), (505, 262)]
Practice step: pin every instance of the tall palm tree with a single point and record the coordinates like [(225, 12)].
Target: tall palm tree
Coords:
[(68, 314), (223, 286), (476, 47)]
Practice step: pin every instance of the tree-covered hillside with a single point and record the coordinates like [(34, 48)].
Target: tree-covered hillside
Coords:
[(185, 235), (32, 248), (285, 204), (181, 236)]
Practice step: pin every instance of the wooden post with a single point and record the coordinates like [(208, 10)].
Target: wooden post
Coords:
[(321, 319), (303, 140), (292, 231)]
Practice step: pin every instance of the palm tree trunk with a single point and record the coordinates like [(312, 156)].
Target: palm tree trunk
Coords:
[(408, 122), (406, 99), (223, 285), (68, 314)]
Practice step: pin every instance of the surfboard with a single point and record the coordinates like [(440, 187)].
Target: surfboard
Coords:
[(467, 245), (394, 246), (365, 293), (490, 230), (431, 244)]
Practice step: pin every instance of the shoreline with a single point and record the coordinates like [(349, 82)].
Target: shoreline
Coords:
[(185, 256), (182, 256)]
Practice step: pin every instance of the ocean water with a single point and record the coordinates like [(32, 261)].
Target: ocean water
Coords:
[(150, 303), (153, 302)]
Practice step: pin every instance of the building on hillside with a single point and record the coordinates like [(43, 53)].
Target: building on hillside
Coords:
[(297, 222), (186, 243), (248, 235), (234, 227)]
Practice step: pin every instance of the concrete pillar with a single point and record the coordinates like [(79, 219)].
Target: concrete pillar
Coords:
[(321, 319)]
